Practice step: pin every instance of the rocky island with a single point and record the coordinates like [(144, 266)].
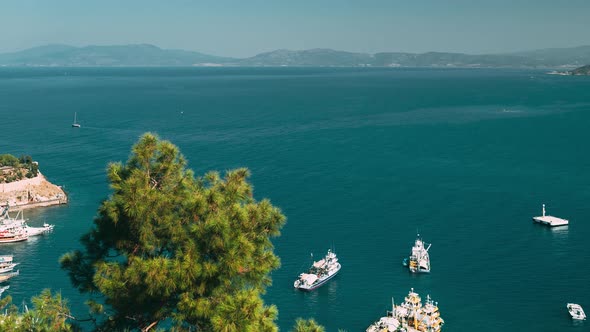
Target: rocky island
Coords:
[(581, 71), (585, 70), (23, 186)]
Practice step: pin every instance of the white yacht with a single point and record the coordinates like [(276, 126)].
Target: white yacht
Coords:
[(419, 260), (389, 323), (319, 273), (550, 220), (576, 311)]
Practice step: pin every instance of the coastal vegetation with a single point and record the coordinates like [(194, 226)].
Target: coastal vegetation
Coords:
[(49, 313), (167, 247), (307, 325), (15, 169), (168, 251)]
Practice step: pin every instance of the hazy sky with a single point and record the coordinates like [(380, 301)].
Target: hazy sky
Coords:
[(243, 28)]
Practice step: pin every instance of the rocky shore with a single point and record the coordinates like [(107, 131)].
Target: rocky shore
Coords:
[(31, 193)]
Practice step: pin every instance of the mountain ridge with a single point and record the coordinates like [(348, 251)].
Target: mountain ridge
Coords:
[(151, 55)]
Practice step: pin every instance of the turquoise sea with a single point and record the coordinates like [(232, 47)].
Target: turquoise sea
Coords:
[(358, 160)]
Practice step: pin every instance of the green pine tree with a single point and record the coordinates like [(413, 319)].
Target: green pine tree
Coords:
[(307, 325), (195, 252), (49, 313)]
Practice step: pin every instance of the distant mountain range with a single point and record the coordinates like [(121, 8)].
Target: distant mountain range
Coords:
[(150, 55)]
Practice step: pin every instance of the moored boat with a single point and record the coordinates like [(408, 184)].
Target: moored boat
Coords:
[(19, 223), (7, 267), (319, 273), (33, 231), (10, 234), (6, 259), (419, 260), (576, 311), (410, 316)]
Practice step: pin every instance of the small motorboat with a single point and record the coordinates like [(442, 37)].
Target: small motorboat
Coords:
[(576, 311), (406, 261), (3, 289)]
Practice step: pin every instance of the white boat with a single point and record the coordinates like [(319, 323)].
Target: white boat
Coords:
[(33, 231), (419, 260), (319, 273), (20, 222), (576, 311), (3, 289), (5, 259), (75, 124), (550, 220), (388, 323), (9, 234), (7, 267)]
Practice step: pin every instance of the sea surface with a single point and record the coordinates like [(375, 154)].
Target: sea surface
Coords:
[(359, 160)]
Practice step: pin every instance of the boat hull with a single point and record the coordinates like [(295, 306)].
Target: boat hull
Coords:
[(14, 239)]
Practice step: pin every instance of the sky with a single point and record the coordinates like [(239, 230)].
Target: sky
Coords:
[(243, 28)]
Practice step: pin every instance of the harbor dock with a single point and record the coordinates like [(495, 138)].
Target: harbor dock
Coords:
[(550, 220)]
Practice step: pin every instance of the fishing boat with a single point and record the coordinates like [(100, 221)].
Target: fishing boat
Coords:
[(410, 316), (75, 124), (429, 317), (6, 276), (419, 260), (20, 222), (576, 311), (319, 273)]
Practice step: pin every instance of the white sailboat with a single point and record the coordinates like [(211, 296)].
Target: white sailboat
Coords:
[(75, 124)]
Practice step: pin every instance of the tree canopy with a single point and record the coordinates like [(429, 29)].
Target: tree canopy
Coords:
[(171, 249), (307, 325), (49, 313)]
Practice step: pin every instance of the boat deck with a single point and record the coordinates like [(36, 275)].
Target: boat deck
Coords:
[(551, 221)]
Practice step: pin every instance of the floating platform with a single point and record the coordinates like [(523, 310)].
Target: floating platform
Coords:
[(550, 220)]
